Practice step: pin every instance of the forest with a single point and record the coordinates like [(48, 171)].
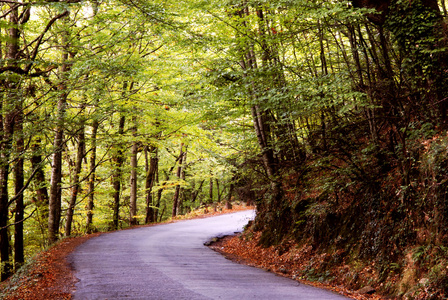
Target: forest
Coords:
[(330, 116)]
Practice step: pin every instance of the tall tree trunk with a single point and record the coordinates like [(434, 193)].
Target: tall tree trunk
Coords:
[(7, 122), (210, 189), (229, 196), (259, 115), (178, 175), (159, 196), (6, 145), (39, 177), (283, 128), (54, 212), (92, 162), (195, 194), (4, 199), (262, 127), (40, 186), (19, 257), (150, 168), (116, 177), (265, 147), (183, 161), (75, 183), (133, 177), (219, 192)]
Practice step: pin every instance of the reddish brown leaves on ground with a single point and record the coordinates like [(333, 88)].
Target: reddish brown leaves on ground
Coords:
[(49, 277)]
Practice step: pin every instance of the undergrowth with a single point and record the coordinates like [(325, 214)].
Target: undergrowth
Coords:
[(371, 211)]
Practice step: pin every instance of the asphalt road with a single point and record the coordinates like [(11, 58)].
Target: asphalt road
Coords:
[(170, 262)]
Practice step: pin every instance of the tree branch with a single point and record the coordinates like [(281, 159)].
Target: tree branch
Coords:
[(21, 221), (38, 40)]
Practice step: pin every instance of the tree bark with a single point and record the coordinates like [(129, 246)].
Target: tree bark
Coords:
[(7, 122), (151, 168), (19, 257), (39, 177), (92, 162), (75, 183), (6, 146), (229, 196), (159, 197), (4, 199), (178, 175), (262, 127), (210, 189), (40, 188), (116, 177), (220, 191), (54, 211), (133, 177), (180, 203), (196, 193)]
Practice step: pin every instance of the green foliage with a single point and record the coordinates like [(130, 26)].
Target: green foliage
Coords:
[(132, 60), (348, 148)]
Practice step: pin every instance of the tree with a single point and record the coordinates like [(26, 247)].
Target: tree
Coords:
[(118, 159), (92, 161), (54, 216), (66, 97), (179, 177), (19, 256), (133, 176), (151, 166), (75, 184), (20, 66), (7, 122)]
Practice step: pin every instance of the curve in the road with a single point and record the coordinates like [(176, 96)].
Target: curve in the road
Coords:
[(170, 262)]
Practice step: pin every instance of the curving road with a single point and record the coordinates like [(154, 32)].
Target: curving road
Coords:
[(170, 262)]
